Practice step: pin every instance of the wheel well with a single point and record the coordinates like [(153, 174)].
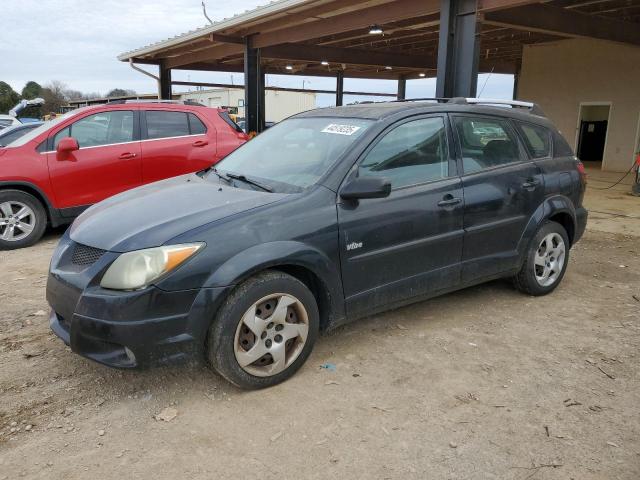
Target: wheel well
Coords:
[(313, 283), (30, 191), (566, 221)]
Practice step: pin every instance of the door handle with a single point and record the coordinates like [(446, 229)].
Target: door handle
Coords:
[(200, 143), (531, 184), (449, 200), (126, 156)]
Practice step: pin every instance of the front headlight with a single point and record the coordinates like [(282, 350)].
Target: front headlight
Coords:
[(135, 270)]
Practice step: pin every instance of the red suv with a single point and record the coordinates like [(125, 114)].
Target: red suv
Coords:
[(54, 172)]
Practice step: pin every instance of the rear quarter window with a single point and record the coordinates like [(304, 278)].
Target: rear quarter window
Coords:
[(229, 121), (537, 139), (560, 146)]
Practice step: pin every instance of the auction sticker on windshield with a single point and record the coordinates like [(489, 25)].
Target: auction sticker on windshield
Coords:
[(341, 129)]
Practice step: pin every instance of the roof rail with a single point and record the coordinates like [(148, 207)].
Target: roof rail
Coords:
[(175, 102), (426, 99), (534, 108)]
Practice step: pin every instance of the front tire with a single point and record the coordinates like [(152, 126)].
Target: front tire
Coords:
[(264, 331), (546, 261), (23, 219)]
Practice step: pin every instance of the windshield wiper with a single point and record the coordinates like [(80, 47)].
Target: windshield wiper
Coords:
[(244, 179), (213, 169)]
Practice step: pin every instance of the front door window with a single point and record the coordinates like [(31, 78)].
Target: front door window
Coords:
[(104, 128), (410, 154)]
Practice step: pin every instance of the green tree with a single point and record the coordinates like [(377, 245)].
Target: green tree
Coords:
[(120, 92), (8, 97), (54, 96), (31, 90)]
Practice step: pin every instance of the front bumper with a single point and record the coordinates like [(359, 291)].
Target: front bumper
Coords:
[(126, 329)]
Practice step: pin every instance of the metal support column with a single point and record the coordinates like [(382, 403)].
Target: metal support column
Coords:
[(261, 102), (339, 88), (253, 85), (165, 82), (458, 49), (402, 88), (516, 80)]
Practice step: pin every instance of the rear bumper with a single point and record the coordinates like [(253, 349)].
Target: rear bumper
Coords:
[(581, 223)]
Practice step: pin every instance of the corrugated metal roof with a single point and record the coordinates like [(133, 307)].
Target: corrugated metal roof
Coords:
[(272, 8)]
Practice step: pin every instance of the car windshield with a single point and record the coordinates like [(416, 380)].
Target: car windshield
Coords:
[(42, 128), (295, 153)]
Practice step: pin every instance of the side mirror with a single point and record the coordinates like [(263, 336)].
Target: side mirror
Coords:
[(366, 187), (67, 145)]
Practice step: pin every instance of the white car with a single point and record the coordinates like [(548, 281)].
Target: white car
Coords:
[(8, 121), (12, 118)]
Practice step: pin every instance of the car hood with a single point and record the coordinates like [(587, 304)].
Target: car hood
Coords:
[(151, 215)]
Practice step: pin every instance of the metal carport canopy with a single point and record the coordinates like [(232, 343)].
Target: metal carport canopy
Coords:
[(332, 38)]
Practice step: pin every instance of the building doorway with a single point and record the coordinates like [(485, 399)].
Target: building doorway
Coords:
[(593, 123)]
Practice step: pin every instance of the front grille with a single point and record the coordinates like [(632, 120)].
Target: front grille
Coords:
[(85, 255)]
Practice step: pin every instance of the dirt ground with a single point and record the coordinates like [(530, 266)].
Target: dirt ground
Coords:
[(485, 383)]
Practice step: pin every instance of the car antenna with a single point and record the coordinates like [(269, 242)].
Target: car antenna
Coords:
[(485, 80), (204, 11)]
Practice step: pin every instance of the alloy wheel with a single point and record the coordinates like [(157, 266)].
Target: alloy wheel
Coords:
[(549, 259), (17, 221), (271, 335)]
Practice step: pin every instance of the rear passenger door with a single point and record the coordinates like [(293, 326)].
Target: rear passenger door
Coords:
[(410, 242), (174, 143), (502, 189)]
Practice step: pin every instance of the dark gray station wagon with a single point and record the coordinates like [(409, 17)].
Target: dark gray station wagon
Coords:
[(329, 216)]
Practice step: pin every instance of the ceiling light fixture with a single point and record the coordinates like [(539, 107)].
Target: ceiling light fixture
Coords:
[(375, 30), (388, 68), (289, 67), (324, 62), (423, 75)]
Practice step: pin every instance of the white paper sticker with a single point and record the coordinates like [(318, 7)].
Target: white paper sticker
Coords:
[(340, 129)]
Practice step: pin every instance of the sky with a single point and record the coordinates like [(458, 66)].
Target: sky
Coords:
[(77, 42)]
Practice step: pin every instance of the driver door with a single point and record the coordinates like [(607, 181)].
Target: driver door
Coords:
[(107, 162), (409, 243)]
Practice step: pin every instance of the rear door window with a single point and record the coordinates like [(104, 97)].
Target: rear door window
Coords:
[(165, 124), (537, 139), (486, 143), (196, 127)]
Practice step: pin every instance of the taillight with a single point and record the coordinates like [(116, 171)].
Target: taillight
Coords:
[(581, 170)]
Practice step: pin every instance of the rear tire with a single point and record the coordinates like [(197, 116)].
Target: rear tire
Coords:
[(264, 331), (546, 261), (23, 219)]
